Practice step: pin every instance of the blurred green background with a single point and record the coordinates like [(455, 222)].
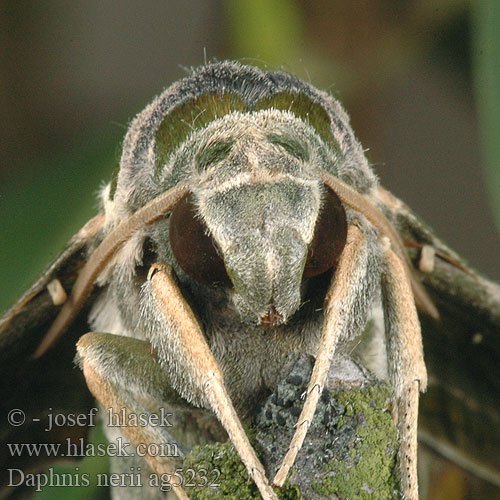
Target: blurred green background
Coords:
[(420, 79)]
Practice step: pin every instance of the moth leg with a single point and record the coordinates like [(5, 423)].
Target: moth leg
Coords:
[(205, 376), (407, 370), (122, 373), (340, 306)]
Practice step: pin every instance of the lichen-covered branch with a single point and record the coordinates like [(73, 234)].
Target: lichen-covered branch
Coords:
[(349, 453)]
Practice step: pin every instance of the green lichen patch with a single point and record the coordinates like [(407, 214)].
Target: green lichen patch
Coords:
[(221, 464), (368, 470), (349, 452)]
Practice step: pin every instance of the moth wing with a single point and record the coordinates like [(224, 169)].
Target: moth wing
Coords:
[(460, 413), (51, 383)]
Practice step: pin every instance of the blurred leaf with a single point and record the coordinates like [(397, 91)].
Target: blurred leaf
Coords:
[(269, 30), (39, 213), (487, 82)]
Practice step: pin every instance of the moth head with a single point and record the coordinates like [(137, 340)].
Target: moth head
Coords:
[(255, 222), (265, 214), (251, 157), (266, 264)]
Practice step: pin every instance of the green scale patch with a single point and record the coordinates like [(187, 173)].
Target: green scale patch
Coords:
[(198, 112)]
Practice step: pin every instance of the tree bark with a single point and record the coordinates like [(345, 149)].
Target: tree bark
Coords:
[(350, 451)]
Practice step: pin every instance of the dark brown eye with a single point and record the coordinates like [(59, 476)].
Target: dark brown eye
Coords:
[(329, 238), (195, 251)]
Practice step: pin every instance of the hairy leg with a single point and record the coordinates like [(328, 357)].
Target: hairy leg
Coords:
[(125, 377), (407, 370)]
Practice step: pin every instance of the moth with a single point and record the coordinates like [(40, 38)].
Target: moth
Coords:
[(244, 224)]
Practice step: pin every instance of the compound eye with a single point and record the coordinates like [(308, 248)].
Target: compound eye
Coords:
[(194, 249), (329, 238)]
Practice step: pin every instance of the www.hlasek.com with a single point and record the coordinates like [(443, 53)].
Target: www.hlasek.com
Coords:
[(80, 449)]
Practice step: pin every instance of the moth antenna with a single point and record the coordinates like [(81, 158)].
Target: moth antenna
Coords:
[(154, 210), (338, 295), (204, 369), (358, 202)]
